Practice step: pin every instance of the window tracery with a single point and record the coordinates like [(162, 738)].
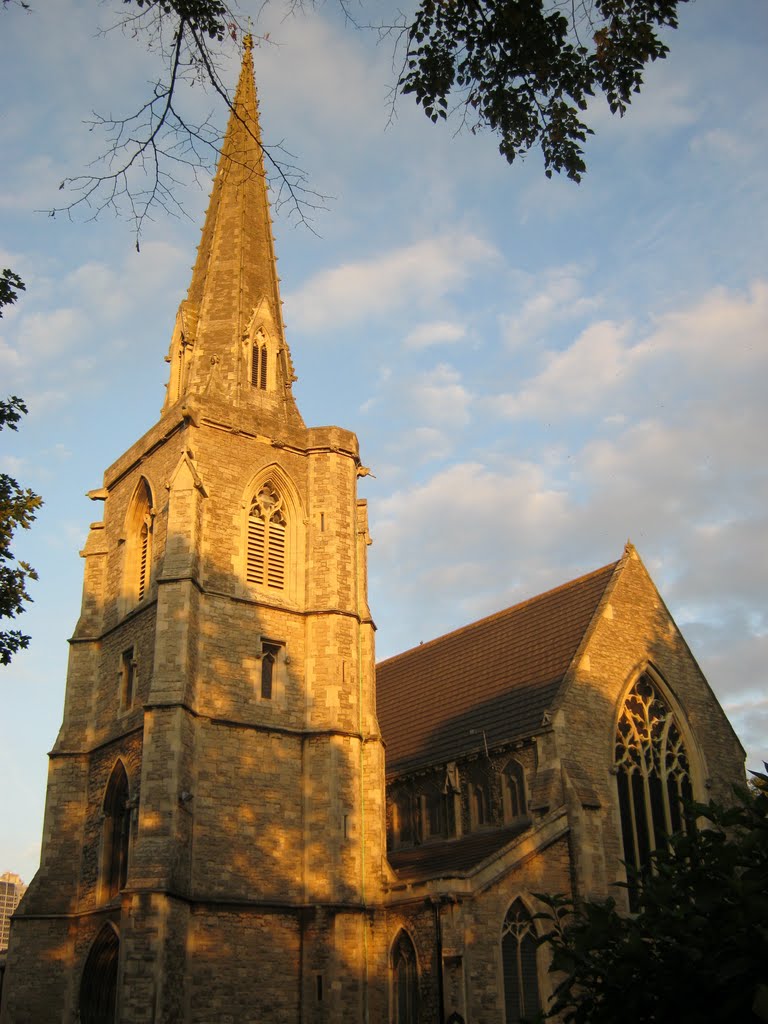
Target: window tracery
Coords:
[(520, 967), (653, 772), (266, 545)]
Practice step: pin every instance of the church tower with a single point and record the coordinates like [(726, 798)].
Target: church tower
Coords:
[(214, 832)]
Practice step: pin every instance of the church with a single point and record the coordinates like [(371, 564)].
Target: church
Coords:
[(246, 818)]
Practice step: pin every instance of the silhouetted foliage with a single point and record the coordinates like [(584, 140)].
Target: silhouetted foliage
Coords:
[(696, 950), (18, 507), (522, 69)]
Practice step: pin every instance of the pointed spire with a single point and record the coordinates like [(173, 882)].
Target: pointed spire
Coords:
[(229, 341)]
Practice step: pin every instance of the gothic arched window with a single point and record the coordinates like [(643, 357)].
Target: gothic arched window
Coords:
[(98, 985), (479, 791), (138, 552), (518, 957), (265, 563), (117, 833), (653, 772), (405, 981), (513, 791), (259, 364)]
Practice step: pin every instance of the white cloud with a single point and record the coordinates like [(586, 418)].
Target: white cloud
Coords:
[(439, 396), (558, 298), (414, 275), (436, 332)]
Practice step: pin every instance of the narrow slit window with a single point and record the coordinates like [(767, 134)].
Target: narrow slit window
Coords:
[(127, 679), (269, 655)]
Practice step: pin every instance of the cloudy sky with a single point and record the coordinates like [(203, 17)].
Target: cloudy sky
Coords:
[(536, 371)]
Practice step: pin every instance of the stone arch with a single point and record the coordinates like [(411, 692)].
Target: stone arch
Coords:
[(404, 980), (116, 833), (137, 560), (519, 963), (272, 537), (98, 984)]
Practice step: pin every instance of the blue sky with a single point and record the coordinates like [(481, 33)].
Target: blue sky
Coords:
[(536, 370)]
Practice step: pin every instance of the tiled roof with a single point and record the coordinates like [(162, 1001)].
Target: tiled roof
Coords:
[(497, 676), (453, 856)]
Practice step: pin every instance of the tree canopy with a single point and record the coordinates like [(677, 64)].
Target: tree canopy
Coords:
[(18, 508), (523, 70), (696, 950)]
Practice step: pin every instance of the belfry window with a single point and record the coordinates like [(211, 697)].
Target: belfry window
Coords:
[(518, 956), (265, 563), (259, 365), (653, 773), (405, 981), (116, 835), (138, 550)]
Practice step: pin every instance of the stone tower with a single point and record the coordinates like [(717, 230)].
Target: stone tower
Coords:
[(214, 832)]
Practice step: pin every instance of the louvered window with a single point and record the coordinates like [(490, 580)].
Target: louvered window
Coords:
[(143, 575), (518, 955), (653, 774), (259, 366), (266, 540)]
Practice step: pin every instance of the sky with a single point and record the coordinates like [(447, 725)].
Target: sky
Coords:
[(537, 371)]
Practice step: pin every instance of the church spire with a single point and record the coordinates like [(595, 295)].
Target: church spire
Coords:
[(229, 341)]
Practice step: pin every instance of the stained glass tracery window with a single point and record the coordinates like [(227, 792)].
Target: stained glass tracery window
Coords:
[(653, 772), (405, 979)]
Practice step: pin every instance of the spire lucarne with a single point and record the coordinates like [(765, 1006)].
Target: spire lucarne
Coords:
[(229, 345)]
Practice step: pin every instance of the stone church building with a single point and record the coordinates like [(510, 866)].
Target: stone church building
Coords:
[(235, 830)]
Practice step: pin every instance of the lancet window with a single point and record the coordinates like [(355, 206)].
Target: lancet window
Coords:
[(259, 357), (653, 772), (519, 964), (405, 981), (267, 524), (138, 553), (116, 834), (513, 791), (98, 985)]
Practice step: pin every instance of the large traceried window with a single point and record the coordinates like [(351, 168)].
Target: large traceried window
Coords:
[(267, 523), (519, 964), (653, 772), (405, 981), (116, 834)]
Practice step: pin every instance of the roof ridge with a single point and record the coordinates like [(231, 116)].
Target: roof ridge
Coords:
[(500, 614)]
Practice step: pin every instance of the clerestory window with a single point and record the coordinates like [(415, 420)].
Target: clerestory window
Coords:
[(652, 771), (266, 555)]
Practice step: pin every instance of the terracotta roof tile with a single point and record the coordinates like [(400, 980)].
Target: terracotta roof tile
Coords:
[(498, 675)]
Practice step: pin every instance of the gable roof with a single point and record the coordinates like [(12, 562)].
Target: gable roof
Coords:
[(487, 682)]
